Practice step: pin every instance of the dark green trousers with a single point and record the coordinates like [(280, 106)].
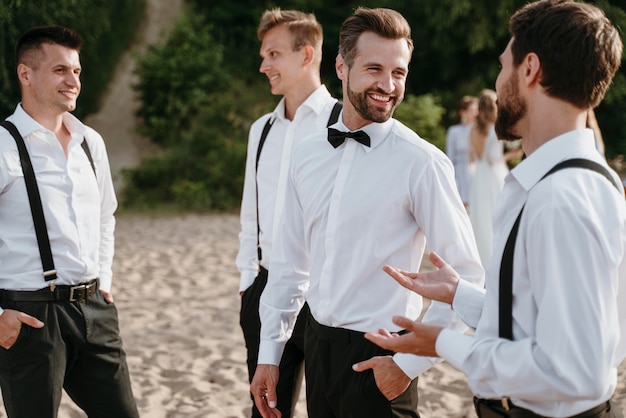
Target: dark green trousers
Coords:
[(79, 349)]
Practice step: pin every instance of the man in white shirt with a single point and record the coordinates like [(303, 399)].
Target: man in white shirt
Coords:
[(291, 49), (58, 324), (351, 207), (551, 327)]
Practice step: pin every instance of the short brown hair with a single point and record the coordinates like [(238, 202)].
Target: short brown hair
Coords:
[(579, 49), (304, 28), (386, 23), (33, 38)]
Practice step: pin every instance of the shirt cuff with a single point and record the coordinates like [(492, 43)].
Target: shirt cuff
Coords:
[(105, 283), (247, 278), (468, 302), (270, 352), (454, 347), (413, 365)]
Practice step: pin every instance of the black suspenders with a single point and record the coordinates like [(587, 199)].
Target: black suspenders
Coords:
[(505, 316), (34, 198), (334, 116)]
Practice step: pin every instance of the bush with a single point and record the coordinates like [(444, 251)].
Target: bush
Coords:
[(205, 171), (423, 114), (177, 79), (108, 27)]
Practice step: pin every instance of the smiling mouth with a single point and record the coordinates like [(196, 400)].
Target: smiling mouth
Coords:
[(381, 98), (69, 94)]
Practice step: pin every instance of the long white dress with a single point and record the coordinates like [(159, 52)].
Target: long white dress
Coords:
[(457, 149), (488, 179)]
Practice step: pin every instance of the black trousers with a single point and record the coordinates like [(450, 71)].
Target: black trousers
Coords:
[(79, 349), (292, 362), (334, 390)]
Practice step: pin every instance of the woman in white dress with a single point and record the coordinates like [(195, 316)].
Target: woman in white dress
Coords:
[(457, 137), (486, 155)]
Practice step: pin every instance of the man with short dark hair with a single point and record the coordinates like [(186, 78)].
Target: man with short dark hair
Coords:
[(551, 327), (58, 324)]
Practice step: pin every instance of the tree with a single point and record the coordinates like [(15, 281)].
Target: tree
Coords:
[(108, 27)]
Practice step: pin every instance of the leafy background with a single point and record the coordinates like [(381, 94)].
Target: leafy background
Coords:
[(200, 89)]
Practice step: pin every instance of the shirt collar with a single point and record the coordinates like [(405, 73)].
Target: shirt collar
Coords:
[(27, 125), (316, 102), (574, 144), (377, 131)]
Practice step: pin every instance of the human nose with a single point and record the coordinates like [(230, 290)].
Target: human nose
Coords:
[(264, 67), (72, 79), (386, 82)]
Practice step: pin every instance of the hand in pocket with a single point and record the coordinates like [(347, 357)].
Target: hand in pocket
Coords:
[(11, 322)]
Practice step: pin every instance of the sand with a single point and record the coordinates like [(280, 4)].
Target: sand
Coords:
[(175, 286)]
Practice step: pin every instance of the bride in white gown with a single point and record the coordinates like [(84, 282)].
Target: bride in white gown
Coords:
[(486, 154)]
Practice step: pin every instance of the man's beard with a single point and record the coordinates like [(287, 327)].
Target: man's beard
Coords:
[(374, 114), (510, 110)]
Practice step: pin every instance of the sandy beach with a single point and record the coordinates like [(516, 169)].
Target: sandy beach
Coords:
[(175, 286)]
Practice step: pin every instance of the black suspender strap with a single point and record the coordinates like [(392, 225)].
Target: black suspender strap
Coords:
[(332, 119), (85, 148), (49, 272), (266, 130), (334, 114), (505, 306)]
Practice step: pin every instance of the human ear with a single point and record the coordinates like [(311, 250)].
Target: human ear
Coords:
[(340, 66), (532, 69), (309, 54), (23, 74)]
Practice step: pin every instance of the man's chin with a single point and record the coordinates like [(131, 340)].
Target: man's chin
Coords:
[(506, 134)]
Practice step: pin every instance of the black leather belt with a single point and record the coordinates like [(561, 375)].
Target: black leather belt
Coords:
[(499, 408), (68, 293)]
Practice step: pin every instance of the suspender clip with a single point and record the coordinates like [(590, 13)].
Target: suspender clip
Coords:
[(505, 403)]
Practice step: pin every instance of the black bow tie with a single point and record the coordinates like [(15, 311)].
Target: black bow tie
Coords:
[(336, 137)]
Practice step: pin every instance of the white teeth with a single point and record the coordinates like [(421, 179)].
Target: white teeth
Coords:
[(381, 98)]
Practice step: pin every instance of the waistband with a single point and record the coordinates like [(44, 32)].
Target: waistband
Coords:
[(338, 334), (505, 408), (52, 293)]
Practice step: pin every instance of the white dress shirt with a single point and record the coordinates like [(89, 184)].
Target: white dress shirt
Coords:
[(569, 287), (457, 149), (78, 208), (348, 212), (312, 115)]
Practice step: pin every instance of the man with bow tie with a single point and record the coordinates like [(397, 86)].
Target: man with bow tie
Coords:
[(374, 193)]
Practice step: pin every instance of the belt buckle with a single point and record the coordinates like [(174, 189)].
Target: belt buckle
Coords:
[(75, 288)]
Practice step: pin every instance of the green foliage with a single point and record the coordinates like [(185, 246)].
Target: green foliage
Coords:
[(177, 79), (457, 44), (108, 27), (423, 115), (205, 170)]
